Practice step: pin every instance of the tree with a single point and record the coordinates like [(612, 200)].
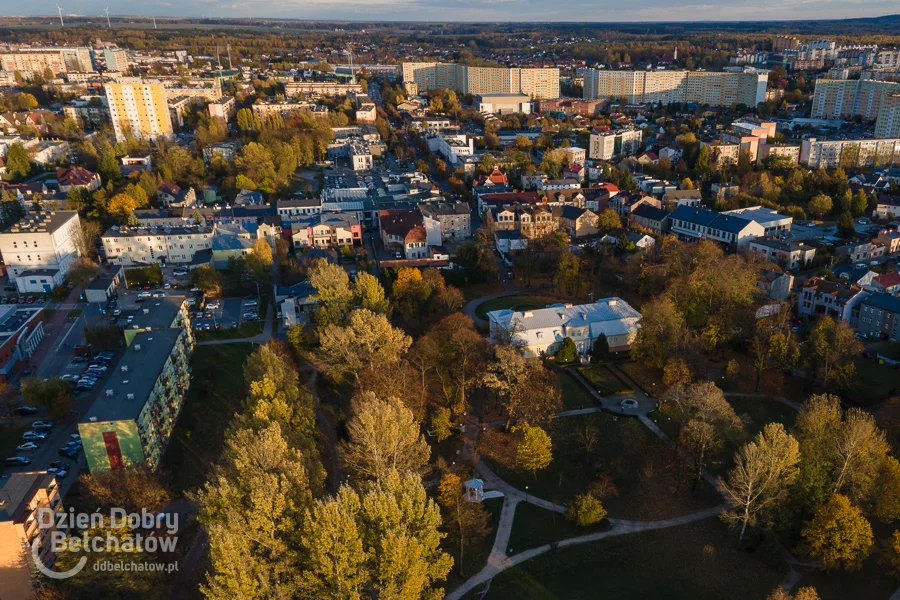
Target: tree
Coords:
[(382, 542), (208, 280), (83, 272), (820, 205), (585, 510), (663, 333), (18, 162), (259, 262), (457, 360), (763, 470), (600, 352), (469, 519), (860, 449), (831, 352), (535, 450), (608, 220), (55, 395), (123, 204), (845, 226), (860, 204), (252, 508), (132, 489), (369, 294), (804, 593), (838, 535), (410, 291), (525, 388), (677, 372), (383, 436), (333, 294), (109, 167), (890, 554), (568, 352), (887, 491), (367, 343), (86, 237), (441, 425)]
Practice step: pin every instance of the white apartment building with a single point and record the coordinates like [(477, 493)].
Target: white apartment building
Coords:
[(667, 87), (605, 145), (116, 59), (292, 210), (452, 147), (888, 123), (361, 158), (535, 83), (868, 153), (223, 108), (40, 249), (840, 98), (154, 245)]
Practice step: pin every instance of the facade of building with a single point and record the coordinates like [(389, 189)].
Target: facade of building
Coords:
[(154, 245), (21, 332), (542, 331), (888, 123), (605, 145), (24, 497), (35, 61), (321, 88), (850, 154), (327, 230), (40, 249), (786, 254), (837, 300), (453, 218), (131, 421), (139, 110), (535, 83), (452, 147), (116, 59), (403, 232), (693, 224), (504, 103), (669, 87), (879, 317), (842, 98), (223, 108)]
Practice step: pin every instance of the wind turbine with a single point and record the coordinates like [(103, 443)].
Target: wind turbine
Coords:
[(61, 24), (108, 24)]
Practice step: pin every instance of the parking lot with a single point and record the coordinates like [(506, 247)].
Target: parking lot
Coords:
[(229, 313)]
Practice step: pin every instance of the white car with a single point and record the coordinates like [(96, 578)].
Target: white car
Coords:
[(34, 436), (27, 446), (213, 305), (60, 473), (167, 287)]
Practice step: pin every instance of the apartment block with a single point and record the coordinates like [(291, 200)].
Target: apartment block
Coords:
[(838, 300), (155, 245), (322, 88), (131, 421), (22, 496), (607, 144), (536, 83), (40, 249), (842, 98), (326, 230), (850, 154), (31, 61), (787, 254), (667, 87), (223, 108), (733, 231), (888, 123), (139, 110), (116, 59)]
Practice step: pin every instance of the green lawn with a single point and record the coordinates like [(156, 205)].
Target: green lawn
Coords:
[(648, 479), (874, 382), (476, 552), (573, 393), (216, 393), (604, 381), (535, 526), (692, 562), (10, 438), (650, 380), (514, 303), (869, 582), (245, 330)]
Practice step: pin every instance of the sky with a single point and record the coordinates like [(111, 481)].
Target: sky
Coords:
[(471, 10)]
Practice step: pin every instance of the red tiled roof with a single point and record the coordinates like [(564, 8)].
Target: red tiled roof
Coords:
[(74, 176), (889, 279)]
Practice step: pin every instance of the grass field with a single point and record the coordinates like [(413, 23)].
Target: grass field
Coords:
[(216, 393), (869, 582), (874, 382), (692, 562), (649, 379), (603, 380), (476, 552), (514, 303), (535, 526), (573, 393), (648, 478)]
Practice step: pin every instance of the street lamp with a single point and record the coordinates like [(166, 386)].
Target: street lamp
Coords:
[(526, 493)]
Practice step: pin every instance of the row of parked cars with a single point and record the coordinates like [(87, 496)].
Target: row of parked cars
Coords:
[(31, 441), (23, 300), (95, 370)]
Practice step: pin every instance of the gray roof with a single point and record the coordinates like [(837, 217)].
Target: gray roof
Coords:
[(783, 245), (884, 302), (18, 491), (650, 212), (44, 222), (157, 313), (144, 360)]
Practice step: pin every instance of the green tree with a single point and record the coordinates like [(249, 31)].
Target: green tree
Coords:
[(831, 352), (860, 204), (662, 335), (367, 343), (467, 521), (600, 352), (109, 167), (535, 450), (383, 436), (208, 280), (845, 226), (54, 395), (585, 510), (764, 468), (820, 206), (568, 352), (18, 162), (333, 294), (369, 294), (441, 424), (838, 535)]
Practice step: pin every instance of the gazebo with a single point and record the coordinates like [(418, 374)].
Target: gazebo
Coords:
[(474, 490)]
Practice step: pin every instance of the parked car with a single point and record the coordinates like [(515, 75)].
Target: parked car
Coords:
[(68, 452), (106, 355), (17, 460), (179, 272), (59, 464), (167, 286), (60, 473), (117, 312), (213, 305), (25, 410), (34, 436), (250, 303), (75, 437), (27, 446), (42, 425)]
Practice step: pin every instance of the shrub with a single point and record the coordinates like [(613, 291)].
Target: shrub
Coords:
[(585, 510)]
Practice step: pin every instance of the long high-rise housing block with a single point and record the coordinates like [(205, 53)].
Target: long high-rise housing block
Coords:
[(537, 83), (138, 109), (671, 87)]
